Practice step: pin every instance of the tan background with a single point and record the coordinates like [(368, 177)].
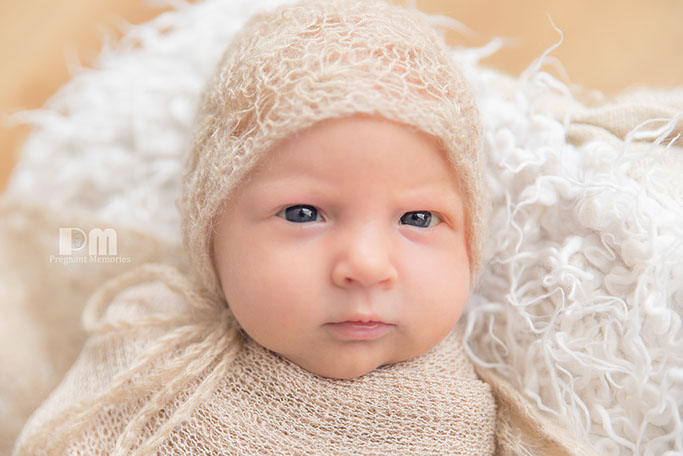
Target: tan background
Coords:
[(609, 44)]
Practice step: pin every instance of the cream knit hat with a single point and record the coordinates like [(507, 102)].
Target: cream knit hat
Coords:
[(320, 59)]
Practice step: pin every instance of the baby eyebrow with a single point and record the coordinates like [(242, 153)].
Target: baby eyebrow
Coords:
[(430, 193), (301, 189), (441, 200)]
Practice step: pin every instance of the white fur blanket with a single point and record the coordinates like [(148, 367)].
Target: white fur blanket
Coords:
[(581, 300)]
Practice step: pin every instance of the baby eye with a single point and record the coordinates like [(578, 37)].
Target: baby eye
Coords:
[(420, 219), (300, 213)]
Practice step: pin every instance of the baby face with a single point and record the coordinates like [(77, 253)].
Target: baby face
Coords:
[(345, 250)]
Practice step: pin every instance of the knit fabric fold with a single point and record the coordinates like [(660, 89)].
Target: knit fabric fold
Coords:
[(271, 406), (263, 404)]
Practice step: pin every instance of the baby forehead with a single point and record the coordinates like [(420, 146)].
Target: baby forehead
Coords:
[(357, 149)]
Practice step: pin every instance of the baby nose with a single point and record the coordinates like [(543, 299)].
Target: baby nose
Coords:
[(364, 261)]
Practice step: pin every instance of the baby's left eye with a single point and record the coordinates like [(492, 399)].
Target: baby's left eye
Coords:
[(420, 219), (300, 213)]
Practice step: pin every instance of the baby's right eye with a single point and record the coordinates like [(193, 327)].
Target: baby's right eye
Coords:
[(301, 213)]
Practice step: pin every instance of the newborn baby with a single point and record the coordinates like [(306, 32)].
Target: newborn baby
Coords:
[(345, 250), (332, 213)]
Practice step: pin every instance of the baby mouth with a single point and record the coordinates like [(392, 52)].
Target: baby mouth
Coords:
[(359, 330)]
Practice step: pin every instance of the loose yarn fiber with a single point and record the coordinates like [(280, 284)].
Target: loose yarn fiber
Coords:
[(298, 65)]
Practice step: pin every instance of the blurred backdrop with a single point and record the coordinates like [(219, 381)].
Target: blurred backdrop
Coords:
[(609, 45)]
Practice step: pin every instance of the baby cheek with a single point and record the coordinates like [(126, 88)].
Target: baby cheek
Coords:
[(440, 282), (287, 290)]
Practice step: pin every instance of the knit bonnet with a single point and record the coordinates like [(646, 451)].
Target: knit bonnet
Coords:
[(320, 59)]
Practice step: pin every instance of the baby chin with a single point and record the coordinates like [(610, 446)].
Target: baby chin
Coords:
[(350, 359)]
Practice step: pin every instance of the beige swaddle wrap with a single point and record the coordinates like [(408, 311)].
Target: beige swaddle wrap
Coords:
[(246, 399)]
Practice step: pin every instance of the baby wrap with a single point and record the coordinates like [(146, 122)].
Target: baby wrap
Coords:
[(252, 400)]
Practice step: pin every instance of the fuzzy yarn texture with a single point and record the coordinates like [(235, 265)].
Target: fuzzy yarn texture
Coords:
[(578, 308), (258, 403), (296, 66)]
